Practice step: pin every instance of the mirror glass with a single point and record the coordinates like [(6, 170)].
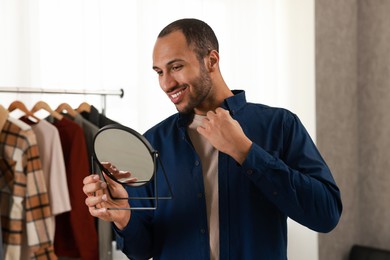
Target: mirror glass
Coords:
[(128, 151), (135, 164)]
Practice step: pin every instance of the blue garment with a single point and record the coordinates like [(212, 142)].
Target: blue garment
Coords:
[(283, 176)]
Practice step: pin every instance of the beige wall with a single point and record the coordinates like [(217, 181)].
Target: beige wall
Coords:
[(353, 124), (374, 121)]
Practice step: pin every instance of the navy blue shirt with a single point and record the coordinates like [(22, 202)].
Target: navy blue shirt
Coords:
[(283, 176)]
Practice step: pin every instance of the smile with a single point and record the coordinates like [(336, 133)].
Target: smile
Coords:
[(176, 95)]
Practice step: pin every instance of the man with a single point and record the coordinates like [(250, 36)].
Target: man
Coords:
[(237, 169)]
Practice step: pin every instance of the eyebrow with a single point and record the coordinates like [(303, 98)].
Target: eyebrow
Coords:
[(169, 63)]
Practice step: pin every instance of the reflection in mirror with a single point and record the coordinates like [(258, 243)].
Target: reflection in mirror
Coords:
[(128, 152), (127, 157)]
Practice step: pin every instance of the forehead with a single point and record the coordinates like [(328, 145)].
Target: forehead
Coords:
[(170, 47)]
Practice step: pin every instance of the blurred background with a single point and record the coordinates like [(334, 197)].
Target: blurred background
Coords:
[(328, 61)]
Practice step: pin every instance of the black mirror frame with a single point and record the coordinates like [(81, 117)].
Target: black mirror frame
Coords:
[(156, 160)]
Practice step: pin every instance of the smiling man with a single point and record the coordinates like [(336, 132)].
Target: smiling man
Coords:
[(237, 169)]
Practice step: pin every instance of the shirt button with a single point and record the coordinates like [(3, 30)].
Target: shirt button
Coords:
[(275, 193), (196, 163), (200, 195), (249, 172), (202, 230)]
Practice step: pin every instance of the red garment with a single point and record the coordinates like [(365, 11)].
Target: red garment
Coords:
[(76, 233)]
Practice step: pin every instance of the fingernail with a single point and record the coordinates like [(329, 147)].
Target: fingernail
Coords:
[(104, 197), (103, 185), (102, 210)]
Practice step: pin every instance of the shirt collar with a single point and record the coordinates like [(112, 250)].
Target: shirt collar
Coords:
[(233, 104), (236, 102)]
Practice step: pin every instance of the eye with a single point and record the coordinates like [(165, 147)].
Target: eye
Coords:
[(176, 67), (159, 72)]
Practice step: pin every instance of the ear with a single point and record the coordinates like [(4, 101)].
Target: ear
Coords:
[(213, 60)]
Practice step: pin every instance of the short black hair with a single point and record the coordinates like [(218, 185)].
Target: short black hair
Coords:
[(198, 34)]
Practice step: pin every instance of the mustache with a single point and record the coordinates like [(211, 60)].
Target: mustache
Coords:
[(179, 87)]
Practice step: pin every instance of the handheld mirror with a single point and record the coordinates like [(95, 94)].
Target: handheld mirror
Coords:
[(132, 155)]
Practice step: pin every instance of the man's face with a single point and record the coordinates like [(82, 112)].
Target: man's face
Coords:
[(182, 76)]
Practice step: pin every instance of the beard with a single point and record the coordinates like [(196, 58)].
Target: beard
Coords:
[(201, 87)]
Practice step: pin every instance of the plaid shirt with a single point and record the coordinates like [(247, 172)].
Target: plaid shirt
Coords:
[(24, 201)]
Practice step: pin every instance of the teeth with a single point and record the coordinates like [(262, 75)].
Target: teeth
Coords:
[(176, 94)]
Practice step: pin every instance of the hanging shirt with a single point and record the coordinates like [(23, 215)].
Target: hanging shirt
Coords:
[(282, 176), (104, 227), (53, 166), (97, 118), (75, 234), (90, 131), (25, 208)]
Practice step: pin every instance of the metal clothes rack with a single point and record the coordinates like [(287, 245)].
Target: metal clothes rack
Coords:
[(105, 235), (103, 93)]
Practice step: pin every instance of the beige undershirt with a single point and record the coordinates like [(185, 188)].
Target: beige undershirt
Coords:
[(209, 158)]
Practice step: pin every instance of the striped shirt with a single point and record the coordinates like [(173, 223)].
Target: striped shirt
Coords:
[(25, 209)]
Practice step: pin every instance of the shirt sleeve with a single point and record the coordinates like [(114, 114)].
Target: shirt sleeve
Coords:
[(296, 179)]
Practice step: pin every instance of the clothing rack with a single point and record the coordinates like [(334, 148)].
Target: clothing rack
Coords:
[(103, 93), (105, 235)]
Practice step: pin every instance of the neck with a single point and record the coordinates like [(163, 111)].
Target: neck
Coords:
[(219, 92)]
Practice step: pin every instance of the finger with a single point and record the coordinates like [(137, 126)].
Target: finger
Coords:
[(122, 174), (106, 164), (91, 178), (109, 166), (91, 188), (93, 201), (109, 179), (220, 110), (97, 212), (210, 114), (131, 180), (96, 202), (101, 213)]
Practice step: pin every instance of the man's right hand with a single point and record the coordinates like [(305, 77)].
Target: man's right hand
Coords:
[(99, 201)]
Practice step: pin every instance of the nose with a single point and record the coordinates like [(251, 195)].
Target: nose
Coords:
[(167, 82)]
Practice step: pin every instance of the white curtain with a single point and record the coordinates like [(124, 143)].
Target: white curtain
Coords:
[(266, 48)]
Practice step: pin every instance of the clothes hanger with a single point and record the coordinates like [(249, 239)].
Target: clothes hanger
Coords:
[(22, 107), (84, 107), (67, 108), (43, 105)]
